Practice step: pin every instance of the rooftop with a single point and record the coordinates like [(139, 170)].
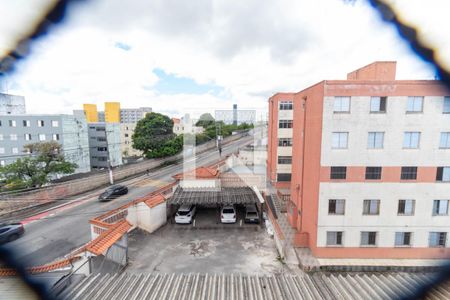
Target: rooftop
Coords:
[(226, 196), (199, 173)]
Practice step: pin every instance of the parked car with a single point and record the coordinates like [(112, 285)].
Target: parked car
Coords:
[(228, 214), (251, 214), (112, 192), (185, 214), (10, 232)]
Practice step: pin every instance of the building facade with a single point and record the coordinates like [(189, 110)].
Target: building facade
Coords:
[(369, 160), (133, 115), (90, 111), (12, 104), (114, 114), (104, 145), (126, 142), (16, 131)]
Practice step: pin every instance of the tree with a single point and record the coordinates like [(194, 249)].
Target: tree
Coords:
[(205, 120), (36, 171), (154, 136)]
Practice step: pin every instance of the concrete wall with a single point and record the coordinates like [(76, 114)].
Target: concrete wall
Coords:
[(200, 183)]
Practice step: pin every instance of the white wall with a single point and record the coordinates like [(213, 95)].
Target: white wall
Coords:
[(284, 133), (200, 183), (387, 222), (150, 219), (285, 114), (394, 123)]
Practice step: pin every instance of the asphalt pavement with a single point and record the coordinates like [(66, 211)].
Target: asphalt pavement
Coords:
[(63, 231)]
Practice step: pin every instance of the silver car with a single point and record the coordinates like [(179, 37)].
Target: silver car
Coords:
[(228, 214), (185, 214)]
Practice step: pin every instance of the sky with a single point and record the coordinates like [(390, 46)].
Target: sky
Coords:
[(182, 57)]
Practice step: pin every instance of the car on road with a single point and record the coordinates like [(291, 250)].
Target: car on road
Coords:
[(251, 214), (113, 192), (228, 214), (185, 214), (10, 232)]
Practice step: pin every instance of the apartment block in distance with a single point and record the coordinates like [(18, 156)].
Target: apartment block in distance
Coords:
[(104, 145), (367, 161), (112, 112), (90, 110), (12, 104)]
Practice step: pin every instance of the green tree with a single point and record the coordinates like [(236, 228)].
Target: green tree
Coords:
[(35, 171), (205, 120)]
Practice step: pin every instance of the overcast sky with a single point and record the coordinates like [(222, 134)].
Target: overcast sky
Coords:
[(180, 56)]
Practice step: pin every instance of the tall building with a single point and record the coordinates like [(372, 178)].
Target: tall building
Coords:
[(112, 112), (70, 131), (367, 162), (90, 110), (126, 142), (133, 115), (104, 145), (12, 104)]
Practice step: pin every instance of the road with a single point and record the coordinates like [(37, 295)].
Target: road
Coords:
[(62, 232)]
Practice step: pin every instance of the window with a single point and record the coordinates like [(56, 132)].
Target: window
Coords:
[(102, 149), (378, 104), (101, 158), (371, 207), (438, 239), (373, 173), (375, 140), (286, 105), (55, 137), (285, 142), (403, 239), (26, 123), (55, 123), (283, 177), (368, 238), (341, 104), (336, 206), (445, 140), (42, 137), (12, 123), (411, 139), (338, 173), (406, 207), (446, 109), (440, 208), (126, 134), (99, 128), (415, 104), (409, 173), (443, 174), (40, 123), (2, 150), (334, 238), (13, 137), (27, 137), (101, 139), (15, 150), (340, 140), (284, 160), (285, 124)]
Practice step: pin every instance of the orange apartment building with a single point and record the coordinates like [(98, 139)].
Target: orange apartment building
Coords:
[(367, 163)]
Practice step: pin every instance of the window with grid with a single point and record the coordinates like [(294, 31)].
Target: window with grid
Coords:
[(368, 238), (378, 104), (411, 140), (338, 172), (373, 173), (13, 137), (340, 140), (415, 104), (446, 109), (375, 140), (403, 239), (40, 123), (334, 238), (27, 137), (26, 123), (336, 206), (55, 137), (371, 207), (283, 177), (286, 105), (408, 173), (42, 137), (285, 124), (440, 207), (55, 123), (12, 123), (284, 160), (438, 239), (285, 142), (341, 104), (444, 142), (443, 174), (406, 207)]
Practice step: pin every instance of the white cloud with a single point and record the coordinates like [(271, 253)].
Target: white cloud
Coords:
[(250, 48)]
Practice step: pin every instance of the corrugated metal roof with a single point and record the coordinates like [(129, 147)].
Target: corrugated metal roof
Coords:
[(226, 196), (238, 286)]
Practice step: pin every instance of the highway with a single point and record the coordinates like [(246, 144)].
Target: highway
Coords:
[(62, 232)]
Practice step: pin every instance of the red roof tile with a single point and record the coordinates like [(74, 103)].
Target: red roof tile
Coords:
[(41, 269), (108, 238), (155, 200), (201, 172)]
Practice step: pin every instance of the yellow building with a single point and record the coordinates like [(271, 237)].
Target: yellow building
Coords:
[(90, 110), (112, 112)]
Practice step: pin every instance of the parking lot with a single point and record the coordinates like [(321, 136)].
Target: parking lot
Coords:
[(186, 249)]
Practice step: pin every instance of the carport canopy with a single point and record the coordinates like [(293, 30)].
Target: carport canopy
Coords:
[(226, 196)]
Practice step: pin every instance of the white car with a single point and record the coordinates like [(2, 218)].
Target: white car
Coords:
[(185, 214), (228, 214)]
